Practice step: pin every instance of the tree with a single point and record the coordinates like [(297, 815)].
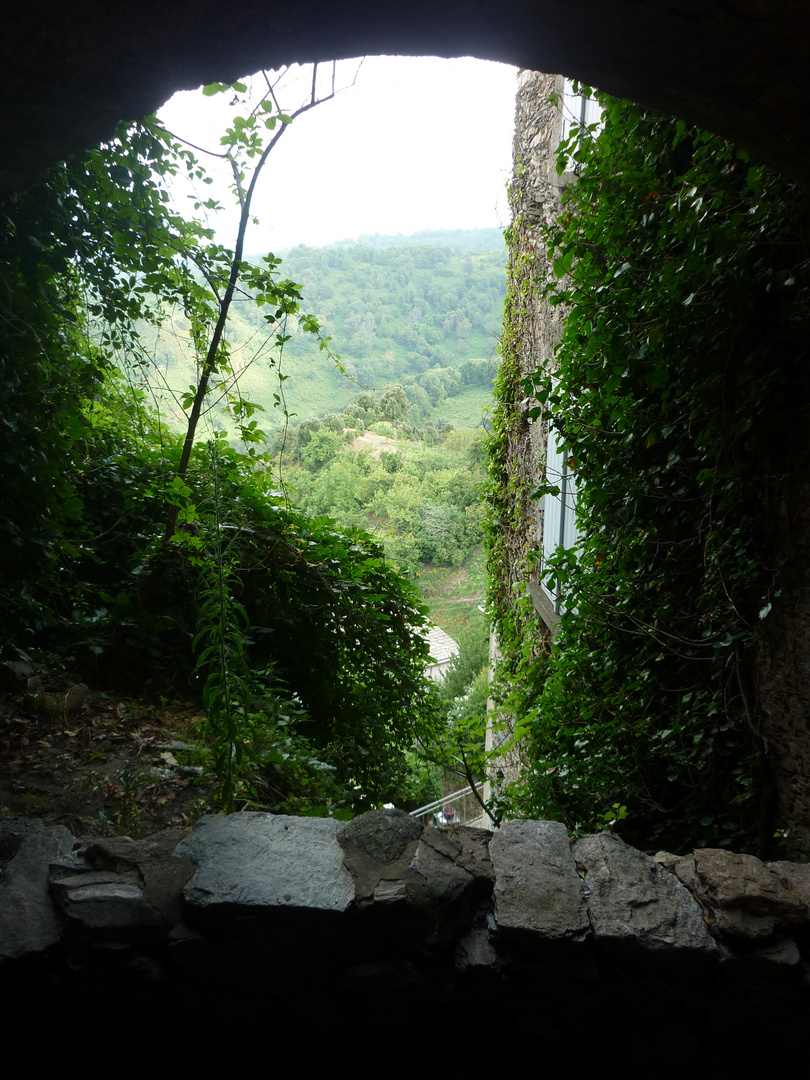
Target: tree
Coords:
[(321, 447), (225, 271), (394, 404)]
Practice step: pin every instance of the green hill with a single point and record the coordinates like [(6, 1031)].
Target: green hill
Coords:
[(423, 312)]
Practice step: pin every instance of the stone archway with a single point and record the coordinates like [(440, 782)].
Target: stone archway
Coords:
[(737, 67), (71, 71)]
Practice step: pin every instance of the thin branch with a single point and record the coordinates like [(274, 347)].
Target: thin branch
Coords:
[(237, 176), (476, 794), (200, 149), (210, 362)]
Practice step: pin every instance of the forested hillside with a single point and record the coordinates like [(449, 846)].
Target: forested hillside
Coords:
[(467, 241), (422, 312)]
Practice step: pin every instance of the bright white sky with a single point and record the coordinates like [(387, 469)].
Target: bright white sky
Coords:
[(415, 143)]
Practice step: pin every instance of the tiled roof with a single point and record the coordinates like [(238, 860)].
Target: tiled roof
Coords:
[(442, 646)]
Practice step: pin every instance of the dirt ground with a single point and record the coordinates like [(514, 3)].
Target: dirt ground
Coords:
[(100, 764), (378, 444)]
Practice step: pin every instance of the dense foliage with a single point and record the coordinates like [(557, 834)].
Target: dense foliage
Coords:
[(423, 316), (83, 243), (418, 492), (403, 307), (421, 501), (322, 621), (462, 699), (683, 270), (164, 565)]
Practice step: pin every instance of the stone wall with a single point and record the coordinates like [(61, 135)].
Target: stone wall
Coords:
[(319, 941), (532, 325)]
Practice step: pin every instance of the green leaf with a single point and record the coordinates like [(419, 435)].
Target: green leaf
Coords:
[(562, 265)]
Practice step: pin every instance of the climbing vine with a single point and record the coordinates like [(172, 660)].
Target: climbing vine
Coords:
[(682, 269)]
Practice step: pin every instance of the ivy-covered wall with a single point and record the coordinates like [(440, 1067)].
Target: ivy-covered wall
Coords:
[(513, 521), (531, 328), (667, 293)]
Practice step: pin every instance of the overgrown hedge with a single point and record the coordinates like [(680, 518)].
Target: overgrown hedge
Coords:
[(163, 579)]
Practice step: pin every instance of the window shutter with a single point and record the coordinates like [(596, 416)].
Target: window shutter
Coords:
[(578, 110), (559, 511)]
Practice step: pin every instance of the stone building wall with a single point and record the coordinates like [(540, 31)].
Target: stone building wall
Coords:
[(531, 328), (779, 684), (532, 325)]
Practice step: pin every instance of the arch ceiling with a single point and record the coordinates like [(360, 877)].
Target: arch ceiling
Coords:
[(71, 71)]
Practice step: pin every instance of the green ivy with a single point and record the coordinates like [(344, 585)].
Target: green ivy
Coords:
[(683, 273)]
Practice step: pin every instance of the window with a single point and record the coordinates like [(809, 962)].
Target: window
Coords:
[(559, 511), (578, 110)]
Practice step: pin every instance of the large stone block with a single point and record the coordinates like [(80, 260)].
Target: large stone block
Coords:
[(636, 907), (121, 884), (538, 895), (29, 924), (414, 887), (743, 897), (254, 863)]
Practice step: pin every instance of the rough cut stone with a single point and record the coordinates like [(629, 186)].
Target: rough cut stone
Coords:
[(635, 903), (435, 879), (795, 879), (162, 877), (103, 900), (378, 848), (390, 892), (468, 848), (745, 898), (538, 894), (476, 951), (261, 861), (122, 884), (436, 882), (29, 923), (666, 859), (382, 836), (775, 960)]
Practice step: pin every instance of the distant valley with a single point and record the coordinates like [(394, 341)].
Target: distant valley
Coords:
[(423, 312)]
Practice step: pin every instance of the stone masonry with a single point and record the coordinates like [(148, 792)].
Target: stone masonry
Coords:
[(253, 931)]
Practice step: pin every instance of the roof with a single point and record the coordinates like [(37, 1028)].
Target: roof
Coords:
[(442, 646)]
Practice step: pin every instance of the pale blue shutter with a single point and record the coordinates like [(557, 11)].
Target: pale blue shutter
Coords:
[(559, 511)]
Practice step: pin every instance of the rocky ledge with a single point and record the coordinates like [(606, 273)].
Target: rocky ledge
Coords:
[(253, 927)]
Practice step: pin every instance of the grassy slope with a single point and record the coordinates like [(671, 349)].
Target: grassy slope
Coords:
[(368, 283), (466, 409), (454, 595)]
